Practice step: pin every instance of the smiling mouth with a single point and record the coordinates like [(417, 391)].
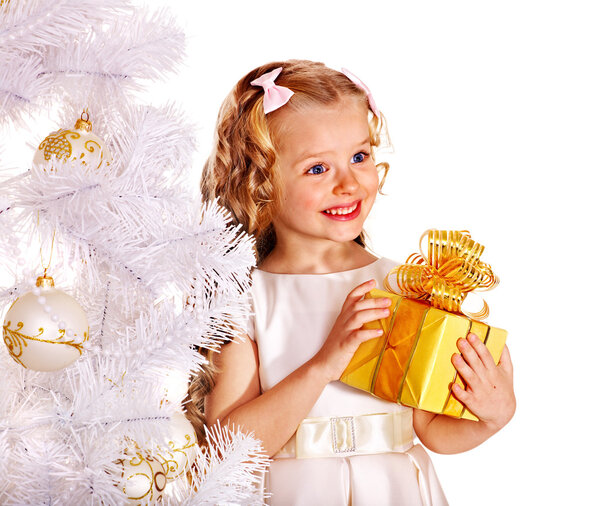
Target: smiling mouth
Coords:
[(341, 210), (343, 213)]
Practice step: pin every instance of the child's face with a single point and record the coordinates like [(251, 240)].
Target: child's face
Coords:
[(329, 177)]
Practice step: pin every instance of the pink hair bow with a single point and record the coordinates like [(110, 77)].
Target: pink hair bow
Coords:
[(275, 96), (362, 86)]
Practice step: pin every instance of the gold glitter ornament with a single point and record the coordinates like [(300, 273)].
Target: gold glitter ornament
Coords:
[(78, 143), (45, 329), (142, 478)]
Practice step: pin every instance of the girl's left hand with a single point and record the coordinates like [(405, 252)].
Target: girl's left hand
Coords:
[(489, 390)]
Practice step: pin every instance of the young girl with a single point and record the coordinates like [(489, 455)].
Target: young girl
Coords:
[(294, 164)]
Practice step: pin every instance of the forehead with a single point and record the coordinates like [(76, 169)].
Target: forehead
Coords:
[(317, 129)]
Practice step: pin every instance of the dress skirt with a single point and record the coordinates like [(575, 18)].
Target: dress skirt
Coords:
[(385, 479)]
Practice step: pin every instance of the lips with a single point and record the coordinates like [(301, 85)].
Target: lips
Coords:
[(345, 212)]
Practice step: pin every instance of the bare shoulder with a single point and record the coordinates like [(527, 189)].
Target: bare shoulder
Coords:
[(236, 381)]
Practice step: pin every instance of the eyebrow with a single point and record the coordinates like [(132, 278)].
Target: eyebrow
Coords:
[(308, 154)]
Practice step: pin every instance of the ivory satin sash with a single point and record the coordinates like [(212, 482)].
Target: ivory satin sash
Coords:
[(343, 436)]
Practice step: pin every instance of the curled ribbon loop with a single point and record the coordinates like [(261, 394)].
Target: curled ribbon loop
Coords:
[(450, 270)]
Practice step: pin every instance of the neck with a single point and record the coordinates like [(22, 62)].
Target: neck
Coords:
[(316, 258)]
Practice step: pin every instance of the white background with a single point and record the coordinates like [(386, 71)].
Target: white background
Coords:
[(494, 112)]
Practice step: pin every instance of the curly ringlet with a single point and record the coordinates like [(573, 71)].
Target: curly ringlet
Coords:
[(242, 169)]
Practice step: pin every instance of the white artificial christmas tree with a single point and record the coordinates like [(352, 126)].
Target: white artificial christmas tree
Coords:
[(129, 241)]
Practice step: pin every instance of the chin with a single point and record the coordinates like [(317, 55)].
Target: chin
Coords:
[(348, 236)]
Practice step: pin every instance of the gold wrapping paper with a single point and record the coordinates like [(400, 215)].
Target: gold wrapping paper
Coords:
[(410, 363)]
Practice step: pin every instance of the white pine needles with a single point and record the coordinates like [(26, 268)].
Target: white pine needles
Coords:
[(88, 51), (159, 273), (31, 25), (113, 59), (116, 387), (234, 473), (22, 83)]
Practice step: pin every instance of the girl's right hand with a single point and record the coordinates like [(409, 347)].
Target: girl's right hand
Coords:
[(346, 334)]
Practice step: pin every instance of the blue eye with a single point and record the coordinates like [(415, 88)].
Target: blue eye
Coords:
[(316, 169), (359, 157)]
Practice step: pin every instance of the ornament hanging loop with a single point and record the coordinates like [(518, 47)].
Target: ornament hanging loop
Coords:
[(45, 267), (84, 123)]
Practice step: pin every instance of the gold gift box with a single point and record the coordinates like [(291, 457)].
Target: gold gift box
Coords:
[(410, 363)]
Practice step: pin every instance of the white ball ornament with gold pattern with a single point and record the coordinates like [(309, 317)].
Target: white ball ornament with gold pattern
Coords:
[(74, 144), (175, 385), (180, 449), (45, 329), (142, 479)]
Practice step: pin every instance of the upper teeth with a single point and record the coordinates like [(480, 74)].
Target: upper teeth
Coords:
[(341, 210)]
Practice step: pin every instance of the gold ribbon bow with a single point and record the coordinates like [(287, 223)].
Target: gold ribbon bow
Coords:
[(450, 270)]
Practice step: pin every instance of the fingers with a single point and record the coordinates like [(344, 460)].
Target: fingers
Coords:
[(469, 355), (366, 334), (474, 360), (505, 361), (367, 310), (377, 302), (482, 352), (357, 310), (358, 292), (359, 318), (490, 395), (461, 394), (464, 369), (478, 369)]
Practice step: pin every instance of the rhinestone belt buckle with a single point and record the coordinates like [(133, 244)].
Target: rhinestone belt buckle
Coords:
[(342, 434)]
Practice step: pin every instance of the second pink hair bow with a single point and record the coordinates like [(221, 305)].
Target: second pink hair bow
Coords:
[(364, 87), (275, 96)]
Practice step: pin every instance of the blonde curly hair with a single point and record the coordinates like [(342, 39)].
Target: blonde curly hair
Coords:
[(242, 169)]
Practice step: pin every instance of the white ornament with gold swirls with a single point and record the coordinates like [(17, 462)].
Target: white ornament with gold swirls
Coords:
[(176, 386), (34, 339), (78, 143), (181, 448), (142, 478)]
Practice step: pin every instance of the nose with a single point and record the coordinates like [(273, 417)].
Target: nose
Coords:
[(346, 182)]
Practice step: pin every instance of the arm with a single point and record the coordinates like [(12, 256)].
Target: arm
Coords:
[(489, 394), (274, 415)]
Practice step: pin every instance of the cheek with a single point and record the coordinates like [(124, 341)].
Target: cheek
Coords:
[(308, 203), (371, 182), (298, 200)]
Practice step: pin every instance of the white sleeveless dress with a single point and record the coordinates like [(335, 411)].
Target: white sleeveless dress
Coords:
[(293, 314)]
